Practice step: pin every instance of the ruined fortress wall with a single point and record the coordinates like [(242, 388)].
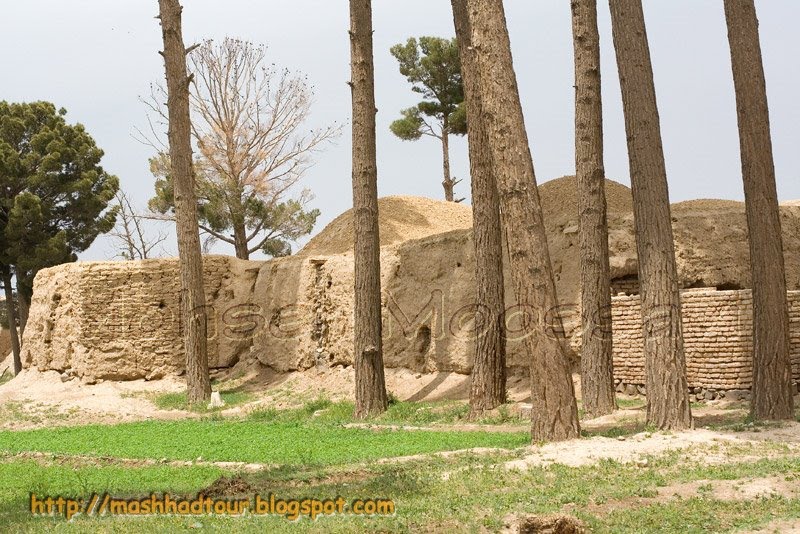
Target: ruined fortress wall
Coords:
[(717, 328), (121, 320)]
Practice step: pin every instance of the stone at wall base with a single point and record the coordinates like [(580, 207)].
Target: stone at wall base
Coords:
[(737, 394), (696, 393)]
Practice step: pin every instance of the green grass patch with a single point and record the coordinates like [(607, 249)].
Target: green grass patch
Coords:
[(178, 401), (475, 496), (249, 441), (399, 413), (6, 377), (20, 478), (627, 403), (697, 515)]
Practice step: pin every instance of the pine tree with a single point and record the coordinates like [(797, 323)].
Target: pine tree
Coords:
[(54, 196), (433, 66)]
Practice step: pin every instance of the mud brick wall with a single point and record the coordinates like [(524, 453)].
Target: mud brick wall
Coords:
[(121, 320), (717, 327)]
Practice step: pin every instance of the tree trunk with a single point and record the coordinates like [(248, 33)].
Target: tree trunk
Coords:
[(371, 395), (772, 396), (488, 387), (665, 363), (240, 241), (192, 299), (597, 368), (12, 321), (555, 412), (448, 183), (24, 307)]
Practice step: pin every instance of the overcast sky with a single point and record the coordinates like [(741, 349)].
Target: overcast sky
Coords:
[(96, 58)]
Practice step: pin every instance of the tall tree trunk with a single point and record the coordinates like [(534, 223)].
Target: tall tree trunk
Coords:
[(371, 395), (193, 300), (555, 412), (772, 396), (24, 308), (448, 183), (12, 320), (240, 241), (665, 363), (597, 368), (488, 387)]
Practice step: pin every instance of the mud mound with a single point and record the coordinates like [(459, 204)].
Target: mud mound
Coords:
[(401, 218), (560, 198), (708, 205), (404, 218), (791, 203)]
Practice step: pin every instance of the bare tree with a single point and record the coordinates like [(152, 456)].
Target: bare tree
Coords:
[(555, 411), (772, 396), (249, 126), (371, 397), (488, 386), (597, 366), (133, 242), (665, 362), (193, 298)]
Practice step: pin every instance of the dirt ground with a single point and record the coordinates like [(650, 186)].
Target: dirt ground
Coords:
[(35, 399)]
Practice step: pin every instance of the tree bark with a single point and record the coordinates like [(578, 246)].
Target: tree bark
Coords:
[(555, 413), (488, 386), (193, 311), (597, 368), (665, 363), (371, 395), (12, 320), (24, 308), (240, 242), (772, 396), (448, 183)]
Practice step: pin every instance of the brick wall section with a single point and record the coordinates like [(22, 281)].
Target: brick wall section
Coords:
[(717, 328)]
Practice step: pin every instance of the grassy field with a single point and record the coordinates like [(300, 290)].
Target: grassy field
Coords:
[(289, 444), (313, 452)]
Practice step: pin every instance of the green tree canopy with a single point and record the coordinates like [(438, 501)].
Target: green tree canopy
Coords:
[(55, 195), (433, 68), (275, 224)]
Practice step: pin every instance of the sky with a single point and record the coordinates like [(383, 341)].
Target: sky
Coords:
[(98, 58)]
